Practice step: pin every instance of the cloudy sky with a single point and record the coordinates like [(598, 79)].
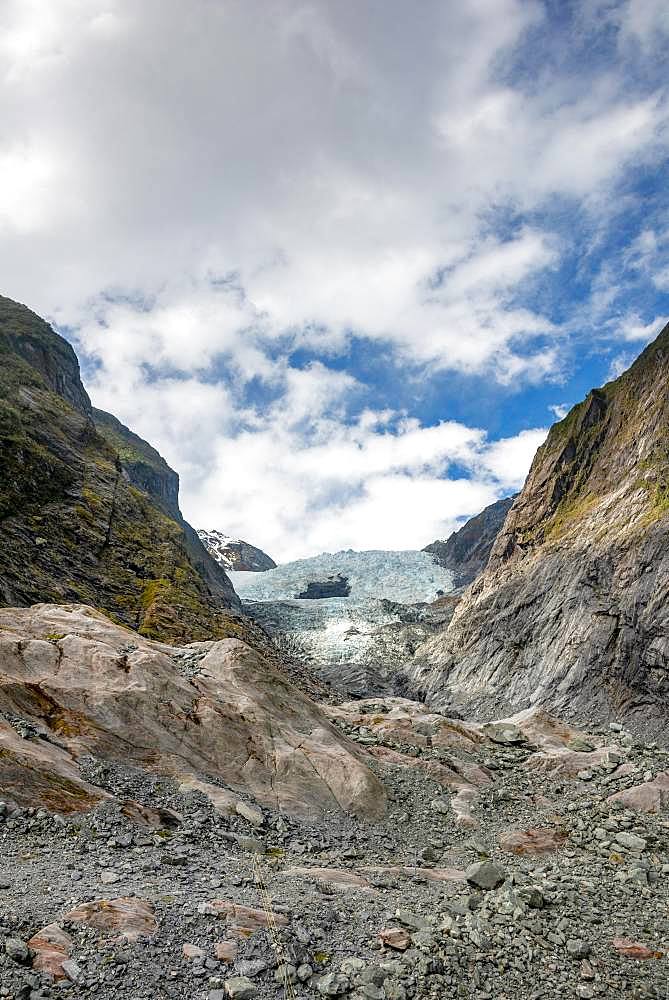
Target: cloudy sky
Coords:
[(342, 261)]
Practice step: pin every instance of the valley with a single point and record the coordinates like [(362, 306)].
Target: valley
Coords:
[(384, 775)]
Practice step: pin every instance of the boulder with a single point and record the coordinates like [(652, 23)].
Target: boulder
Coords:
[(649, 797)]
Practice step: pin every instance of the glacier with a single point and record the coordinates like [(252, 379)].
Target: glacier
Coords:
[(405, 576), (362, 641)]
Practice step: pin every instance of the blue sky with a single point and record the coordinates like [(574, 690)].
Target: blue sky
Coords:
[(343, 264)]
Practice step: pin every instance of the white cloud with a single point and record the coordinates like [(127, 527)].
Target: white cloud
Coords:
[(303, 148), (559, 410), (202, 190), (631, 327), (619, 364), (300, 473)]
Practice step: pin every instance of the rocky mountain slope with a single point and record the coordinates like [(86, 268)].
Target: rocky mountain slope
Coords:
[(88, 510), (466, 552), (235, 554), (573, 608)]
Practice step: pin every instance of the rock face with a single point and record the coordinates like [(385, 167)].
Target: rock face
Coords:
[(214, 716), (466, 552), (88, 510), (235, 554), (572, 610)]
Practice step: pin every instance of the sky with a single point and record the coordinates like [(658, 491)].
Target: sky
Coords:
[(343, 262)]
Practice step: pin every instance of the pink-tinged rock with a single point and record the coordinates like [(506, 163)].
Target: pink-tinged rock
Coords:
[(466, 776), (406, 721), (336, 877), (634, 949), (226, 951), (127, 916), (649, 797), (395, 937), (192, 951), (533, 842), (542, 729), (152, 819), (429, 874), (567, 763), (242, 921), (52, 947), (240, 722), (464, 781), (625, 770)]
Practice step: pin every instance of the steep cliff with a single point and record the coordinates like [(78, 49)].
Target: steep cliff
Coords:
[(467, 550), (88, 511), (572, 611)]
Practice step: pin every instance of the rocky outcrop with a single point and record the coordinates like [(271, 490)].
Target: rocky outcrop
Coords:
[(25, 335), (572, 611), (214, 716), (333, 586), (88, 510), (235, 554), (467, 550)]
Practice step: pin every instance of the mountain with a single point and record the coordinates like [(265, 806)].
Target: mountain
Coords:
[(572, 611), (234, 554), (466, 552), (89, 511)]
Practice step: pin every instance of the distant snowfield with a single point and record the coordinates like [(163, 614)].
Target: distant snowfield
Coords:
[(403, 576)]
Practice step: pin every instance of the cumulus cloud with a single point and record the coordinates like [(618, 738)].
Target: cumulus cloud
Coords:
[(382, 480), (631, 327)]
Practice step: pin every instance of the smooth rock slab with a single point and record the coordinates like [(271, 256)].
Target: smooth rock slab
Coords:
[(336, 877), (533, 842), (634, 949), (649, 797), (242, 921), (129, 917)]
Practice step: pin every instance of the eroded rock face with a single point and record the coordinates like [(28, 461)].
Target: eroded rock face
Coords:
[(572, 610), (83, 685)]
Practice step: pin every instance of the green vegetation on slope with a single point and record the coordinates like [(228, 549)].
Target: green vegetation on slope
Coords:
[(92, 518)]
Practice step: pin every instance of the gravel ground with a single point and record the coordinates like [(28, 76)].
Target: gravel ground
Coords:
[(521, 926)]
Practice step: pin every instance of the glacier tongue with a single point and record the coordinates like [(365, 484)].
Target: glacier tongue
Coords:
[(361, 642), (403, 576)]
